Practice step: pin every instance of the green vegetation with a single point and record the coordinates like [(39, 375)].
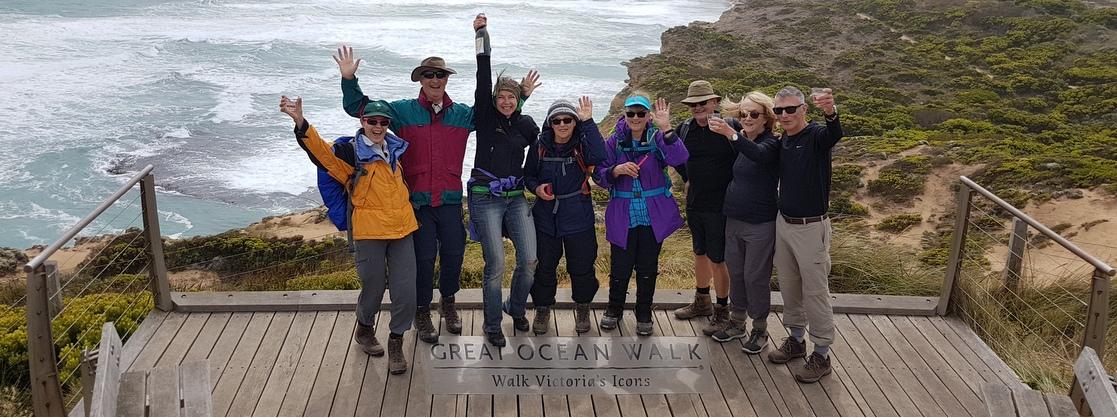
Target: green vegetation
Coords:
[(1026, 89), (899, 223), (902, 180)]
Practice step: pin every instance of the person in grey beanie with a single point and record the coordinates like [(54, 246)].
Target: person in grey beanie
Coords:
[(557, 171)]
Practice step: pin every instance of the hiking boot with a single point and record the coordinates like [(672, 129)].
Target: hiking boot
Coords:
[(397, 364), (700, 307), (496, 339), (758, 339), (816, 367), (366, 337), (582, 318), (718, 321), (450, 314), (733, 329), (520, 324), (644, 329), (424, 327), (542, 320), (609, 321), (790, 349)]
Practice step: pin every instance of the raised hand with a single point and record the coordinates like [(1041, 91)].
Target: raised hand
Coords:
[(293, 108), (346, 62), (719, 125), (530, 82), (585, 108), (662, 115), (480, 21), (824, 100)]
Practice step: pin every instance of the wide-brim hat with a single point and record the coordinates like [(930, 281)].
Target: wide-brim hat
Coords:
[(700, 91), (430, 63)]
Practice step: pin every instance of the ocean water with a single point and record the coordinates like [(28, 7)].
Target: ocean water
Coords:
[(94, 91)]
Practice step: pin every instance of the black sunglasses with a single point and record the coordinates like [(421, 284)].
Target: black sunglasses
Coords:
[(374, 122), (639, 114), (562, 121), (432, 74), (696, 104), (754, 115), (789, 109)]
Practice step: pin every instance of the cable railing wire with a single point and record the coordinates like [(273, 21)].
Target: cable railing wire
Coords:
[(77, 274), (90, 307)]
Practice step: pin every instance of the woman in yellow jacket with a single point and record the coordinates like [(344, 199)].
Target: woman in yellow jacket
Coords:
[(381, 222)]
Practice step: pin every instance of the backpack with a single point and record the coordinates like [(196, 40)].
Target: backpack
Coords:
[(577, 157), (339, 207)]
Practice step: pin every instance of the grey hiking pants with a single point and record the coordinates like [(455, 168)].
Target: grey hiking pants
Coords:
[(749, 249), (391, 264), (803, 264)]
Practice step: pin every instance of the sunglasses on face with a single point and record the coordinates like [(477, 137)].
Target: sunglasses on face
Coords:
[(639, 114), (789, 109), (374, 122), (753, 114), (433, 74), (562, 121), (702, 103)]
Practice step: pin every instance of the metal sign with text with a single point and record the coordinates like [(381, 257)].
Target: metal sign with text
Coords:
[(568, 365)]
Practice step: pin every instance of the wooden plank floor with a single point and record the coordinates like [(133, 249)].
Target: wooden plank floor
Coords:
[(305, 363)]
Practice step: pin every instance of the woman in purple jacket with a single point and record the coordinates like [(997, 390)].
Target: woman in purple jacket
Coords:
[(641, 212)]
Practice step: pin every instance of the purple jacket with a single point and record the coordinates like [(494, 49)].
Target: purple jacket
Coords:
[(663, 209)]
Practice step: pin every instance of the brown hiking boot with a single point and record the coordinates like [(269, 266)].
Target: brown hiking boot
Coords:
[(397, 364), (582, 318), (424, 326), (450, 314), (816, 367), (718, 321), (700, 307), (366, 337), (542, 320), (790, 349)]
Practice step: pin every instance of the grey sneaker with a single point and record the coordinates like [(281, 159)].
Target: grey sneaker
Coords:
[(734, 329), (542, 320), (609, 322), (718, 321), (424, 326), (450, 315), (817, 366), (397, 364), (700, 307), (366, 337), (790, 349), (644, 329), (758, 339), (582, 318)]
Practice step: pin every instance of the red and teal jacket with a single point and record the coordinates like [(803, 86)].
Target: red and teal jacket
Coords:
[(432, 166)]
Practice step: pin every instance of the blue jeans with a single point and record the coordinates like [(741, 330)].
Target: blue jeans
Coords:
[(495, 217)]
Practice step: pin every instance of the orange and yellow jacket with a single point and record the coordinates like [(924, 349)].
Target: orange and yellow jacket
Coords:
[(381, 206)]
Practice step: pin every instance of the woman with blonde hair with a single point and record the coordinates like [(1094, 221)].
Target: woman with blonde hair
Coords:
[(750, 210)]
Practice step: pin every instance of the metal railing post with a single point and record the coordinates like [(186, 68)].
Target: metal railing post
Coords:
[(160, 286), (954, 263), (46, 390)]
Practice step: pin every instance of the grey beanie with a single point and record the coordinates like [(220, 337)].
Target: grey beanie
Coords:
[(562, 107)]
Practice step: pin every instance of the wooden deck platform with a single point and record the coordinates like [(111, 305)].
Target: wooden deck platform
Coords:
[(304, 363)]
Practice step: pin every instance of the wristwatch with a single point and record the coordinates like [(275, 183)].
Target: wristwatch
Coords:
[(832, 116), (735, 137)]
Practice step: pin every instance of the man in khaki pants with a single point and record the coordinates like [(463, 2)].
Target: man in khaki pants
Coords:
[(803, 229)]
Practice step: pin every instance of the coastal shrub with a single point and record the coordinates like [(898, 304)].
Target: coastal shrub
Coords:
[(900, 222), (902, 180), (846, 178), (342, 280), (842, 206)]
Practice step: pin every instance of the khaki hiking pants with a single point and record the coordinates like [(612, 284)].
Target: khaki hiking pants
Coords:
[(803, 263)]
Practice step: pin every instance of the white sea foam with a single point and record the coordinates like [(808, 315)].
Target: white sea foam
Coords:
[(191, 86)]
